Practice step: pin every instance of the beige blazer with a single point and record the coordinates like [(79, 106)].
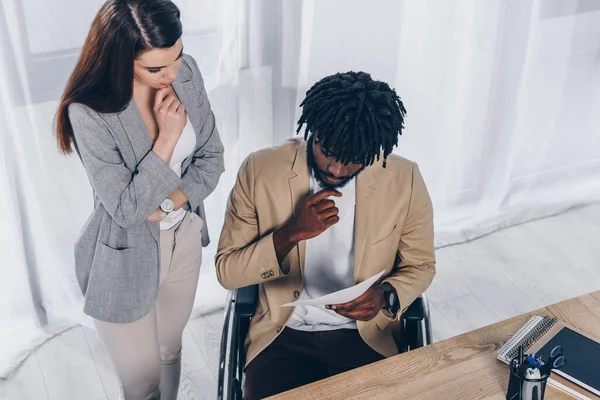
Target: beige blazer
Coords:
[(393, 231)]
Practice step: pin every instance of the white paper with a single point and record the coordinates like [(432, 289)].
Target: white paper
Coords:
[(339, 297)]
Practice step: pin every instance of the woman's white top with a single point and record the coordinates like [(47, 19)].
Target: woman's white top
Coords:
[(183, 149)]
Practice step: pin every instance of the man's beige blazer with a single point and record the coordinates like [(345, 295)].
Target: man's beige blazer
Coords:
[(393, 231)]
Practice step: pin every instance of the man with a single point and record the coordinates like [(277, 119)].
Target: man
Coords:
[(315, 216)]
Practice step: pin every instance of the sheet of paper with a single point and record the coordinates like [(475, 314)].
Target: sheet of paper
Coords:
[(339, 297)]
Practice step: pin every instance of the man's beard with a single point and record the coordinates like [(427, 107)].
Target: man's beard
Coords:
[(318, 173)]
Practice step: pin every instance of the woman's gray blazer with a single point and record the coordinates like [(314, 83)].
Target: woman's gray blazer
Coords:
[(117, 255)]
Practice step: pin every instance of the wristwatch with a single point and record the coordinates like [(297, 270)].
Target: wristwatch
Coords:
[(167, 206), (392, 303)]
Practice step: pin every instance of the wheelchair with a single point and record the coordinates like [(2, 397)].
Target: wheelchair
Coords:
[(240, 307)]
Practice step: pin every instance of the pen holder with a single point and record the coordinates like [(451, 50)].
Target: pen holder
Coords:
[(522, 388)]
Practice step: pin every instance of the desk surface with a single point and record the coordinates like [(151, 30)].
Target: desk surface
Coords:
[(462, 367)]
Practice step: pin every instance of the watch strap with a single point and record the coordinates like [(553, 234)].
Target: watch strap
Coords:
[(392, 303)]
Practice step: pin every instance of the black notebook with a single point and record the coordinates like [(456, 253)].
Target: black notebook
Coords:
[(583, 357), (540, 335)]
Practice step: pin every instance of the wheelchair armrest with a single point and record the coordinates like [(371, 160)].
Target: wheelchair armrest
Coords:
[(246, 299), (417, 311)]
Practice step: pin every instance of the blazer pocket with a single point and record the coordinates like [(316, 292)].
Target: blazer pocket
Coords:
[(387, 236), (114, 269), (383, 251)]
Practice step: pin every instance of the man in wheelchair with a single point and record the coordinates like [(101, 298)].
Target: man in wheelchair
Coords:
[(318, 215)]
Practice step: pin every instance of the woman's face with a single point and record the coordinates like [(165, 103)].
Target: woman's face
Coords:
[(157, 68)]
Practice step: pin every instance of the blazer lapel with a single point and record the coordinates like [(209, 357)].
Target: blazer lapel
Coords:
[(133, 125), (184, 89), (299, 190), (365, 189)]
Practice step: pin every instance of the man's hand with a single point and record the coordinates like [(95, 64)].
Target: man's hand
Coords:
[(363, 308), (157, 216), (315, 216)]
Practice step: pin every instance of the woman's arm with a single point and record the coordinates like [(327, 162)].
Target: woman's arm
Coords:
[(128, 197)]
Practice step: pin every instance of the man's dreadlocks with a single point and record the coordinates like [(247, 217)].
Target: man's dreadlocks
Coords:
[(353, 116)]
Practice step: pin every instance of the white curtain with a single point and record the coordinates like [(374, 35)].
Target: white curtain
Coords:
[(503, 96), (502, 99)]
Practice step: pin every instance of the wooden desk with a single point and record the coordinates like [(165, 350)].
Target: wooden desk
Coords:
[(462, 367)]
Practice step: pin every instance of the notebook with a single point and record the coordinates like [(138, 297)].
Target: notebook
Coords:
[(540, 334)]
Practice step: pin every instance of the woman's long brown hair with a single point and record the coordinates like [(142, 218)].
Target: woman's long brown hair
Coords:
[(103, 76)]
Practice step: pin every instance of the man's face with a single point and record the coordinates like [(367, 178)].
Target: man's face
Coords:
[(329, 172)]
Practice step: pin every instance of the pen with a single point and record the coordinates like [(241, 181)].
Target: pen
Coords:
[(521, 369), (531, 360)]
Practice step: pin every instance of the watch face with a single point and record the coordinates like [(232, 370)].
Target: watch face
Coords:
[(390, 300), (167, 205)]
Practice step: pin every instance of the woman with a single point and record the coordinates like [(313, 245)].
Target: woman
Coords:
[(136, 111)]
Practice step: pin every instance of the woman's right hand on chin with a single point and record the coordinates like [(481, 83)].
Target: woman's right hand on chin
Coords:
[(169, 114)]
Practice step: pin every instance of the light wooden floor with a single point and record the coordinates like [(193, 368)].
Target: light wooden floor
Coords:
[(495, 277)]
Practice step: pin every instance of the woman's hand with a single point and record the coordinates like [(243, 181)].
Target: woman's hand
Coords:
[(157, 216), (169, 114)]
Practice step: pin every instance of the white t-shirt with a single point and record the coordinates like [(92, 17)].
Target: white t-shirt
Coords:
[(183, 149), (329, 266)]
